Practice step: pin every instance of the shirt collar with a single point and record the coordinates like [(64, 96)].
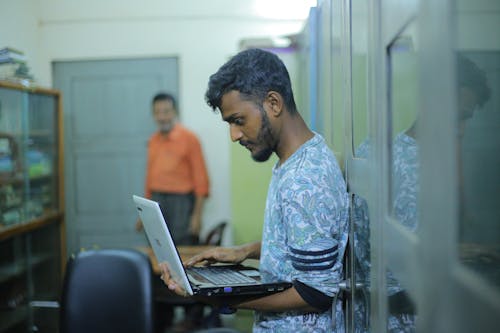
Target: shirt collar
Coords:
[(316, 139)]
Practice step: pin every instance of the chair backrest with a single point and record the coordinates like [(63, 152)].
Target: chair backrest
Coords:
[(108, 291), (214, 237)]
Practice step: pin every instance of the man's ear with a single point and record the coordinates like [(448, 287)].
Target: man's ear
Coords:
[(275, 103)]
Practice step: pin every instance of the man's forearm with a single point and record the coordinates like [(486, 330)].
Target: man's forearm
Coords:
[(198, 205), (252, 250)]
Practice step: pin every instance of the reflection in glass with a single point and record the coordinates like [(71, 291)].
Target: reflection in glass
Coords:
[(404, 185), (12, 186), (478, 140), (401, 309), (361, 223), (479, 161), (404, 163), (403, 114), (41, 155)]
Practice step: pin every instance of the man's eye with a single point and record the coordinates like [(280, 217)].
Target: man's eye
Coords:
[(238, 121)]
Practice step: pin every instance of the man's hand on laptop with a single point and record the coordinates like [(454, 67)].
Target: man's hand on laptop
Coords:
[(233, 255), (223, 303), (170, 282)]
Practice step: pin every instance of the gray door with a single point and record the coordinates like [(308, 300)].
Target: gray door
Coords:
[(107, 122)]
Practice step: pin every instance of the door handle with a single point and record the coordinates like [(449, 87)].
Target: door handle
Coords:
[(345, 285)]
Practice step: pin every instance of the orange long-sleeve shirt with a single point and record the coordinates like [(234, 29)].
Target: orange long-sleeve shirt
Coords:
[(175, 164)]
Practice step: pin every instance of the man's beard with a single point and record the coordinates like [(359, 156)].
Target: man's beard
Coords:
[(166, 128), (265, 136)]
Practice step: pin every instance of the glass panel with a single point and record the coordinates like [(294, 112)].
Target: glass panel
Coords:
[(359, 73), (403, 142), (46, 275), (404, 163), (41, 155), (478, 105), (338, 132), (12, 184), (13, 282), (325, 124)]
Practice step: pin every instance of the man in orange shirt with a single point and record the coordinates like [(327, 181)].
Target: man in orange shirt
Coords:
[(176, 177)]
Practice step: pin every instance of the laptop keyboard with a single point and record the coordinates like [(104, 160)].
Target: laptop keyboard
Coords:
[(223, 276)]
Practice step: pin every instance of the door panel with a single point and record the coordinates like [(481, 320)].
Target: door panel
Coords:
[(381, 174), (107, 107), (421, 156)]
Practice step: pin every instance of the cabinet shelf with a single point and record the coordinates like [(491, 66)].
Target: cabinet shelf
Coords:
[(11, 181), (16, 229), (11, 318), (8, 272), (18, 268), (19, 180), (41, 178)]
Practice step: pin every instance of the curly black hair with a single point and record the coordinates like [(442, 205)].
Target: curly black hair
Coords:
[(253, 73)]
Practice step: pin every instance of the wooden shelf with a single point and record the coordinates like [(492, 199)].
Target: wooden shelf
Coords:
[(47, 218), (32, 89), (17, 269), (19, 180), (11, 181), (40, 178), (8, 272)]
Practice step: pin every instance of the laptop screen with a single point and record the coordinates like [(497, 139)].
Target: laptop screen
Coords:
[(160, 239)]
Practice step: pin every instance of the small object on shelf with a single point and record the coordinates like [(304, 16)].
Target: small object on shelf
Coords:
[(9, 55), (14, 68), (10, 217), (38, 163), (9, 158)]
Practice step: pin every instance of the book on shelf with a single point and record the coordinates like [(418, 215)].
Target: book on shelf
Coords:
[(13, 66), (11, 55)]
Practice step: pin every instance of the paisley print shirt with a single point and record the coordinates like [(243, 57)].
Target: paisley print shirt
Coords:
[(305, 234)]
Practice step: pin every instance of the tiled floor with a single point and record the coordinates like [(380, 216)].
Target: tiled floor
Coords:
[(241, 321)]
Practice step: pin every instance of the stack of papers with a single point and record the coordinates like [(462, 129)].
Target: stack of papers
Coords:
[(13, 65)]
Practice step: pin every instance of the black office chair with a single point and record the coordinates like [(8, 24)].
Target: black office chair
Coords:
[(108, 291)]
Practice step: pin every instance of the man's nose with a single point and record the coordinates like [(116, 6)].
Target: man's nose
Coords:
[(235, 133)]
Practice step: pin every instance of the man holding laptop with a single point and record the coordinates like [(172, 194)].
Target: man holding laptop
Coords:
[(306, 217)]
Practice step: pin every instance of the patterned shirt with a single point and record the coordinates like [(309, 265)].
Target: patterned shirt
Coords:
[(305, 234)]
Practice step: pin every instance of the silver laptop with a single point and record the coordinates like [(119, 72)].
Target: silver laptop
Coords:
[(211, 280)]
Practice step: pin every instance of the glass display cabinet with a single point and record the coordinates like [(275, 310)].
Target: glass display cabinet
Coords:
[(31, 207)]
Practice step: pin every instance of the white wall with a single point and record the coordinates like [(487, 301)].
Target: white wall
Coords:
[(19, 29), (202, 33)]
